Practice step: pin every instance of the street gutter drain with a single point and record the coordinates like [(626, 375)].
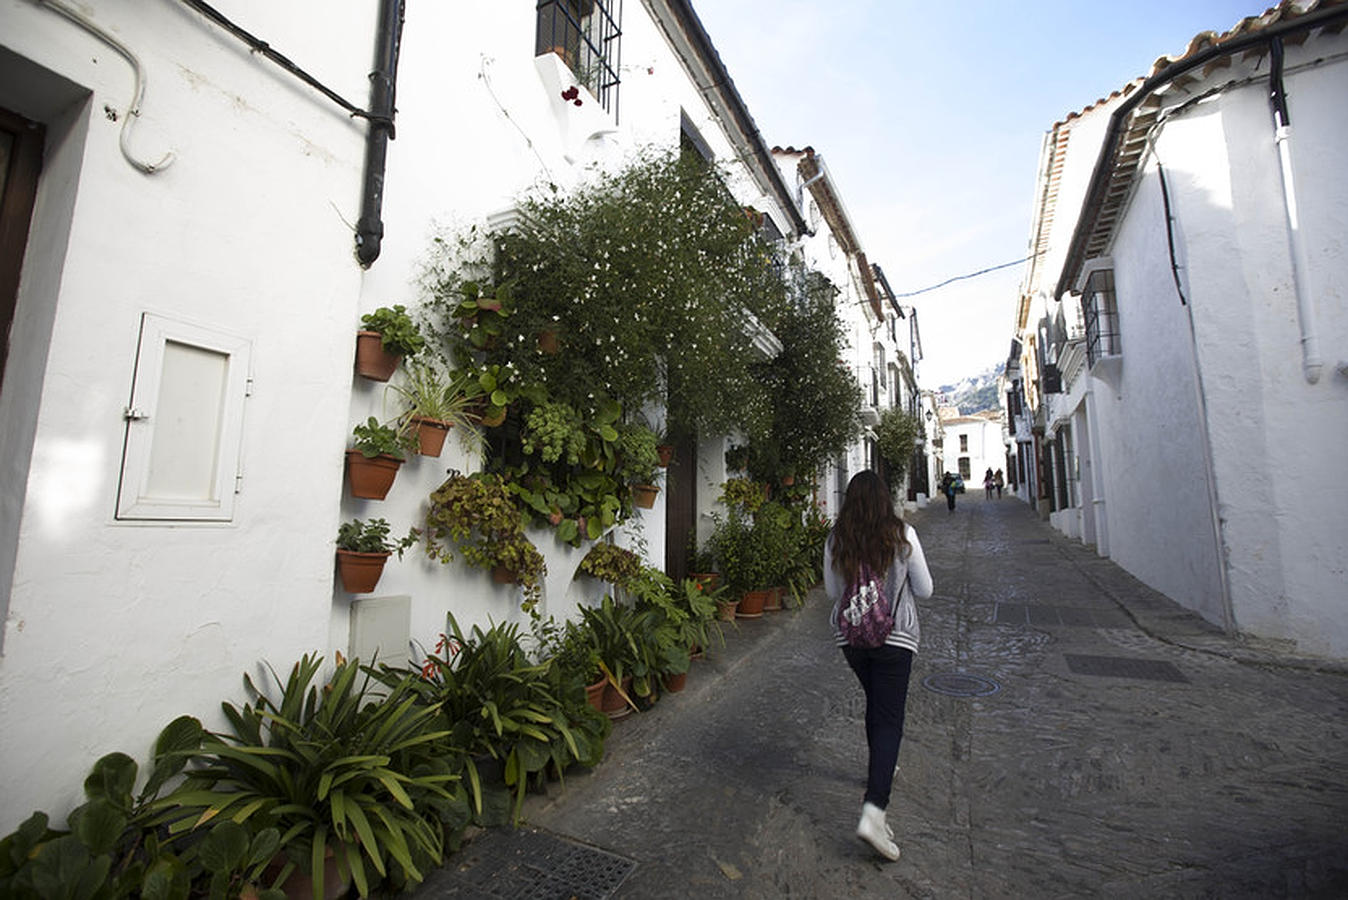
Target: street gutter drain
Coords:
[(959, 684), (532, 864)]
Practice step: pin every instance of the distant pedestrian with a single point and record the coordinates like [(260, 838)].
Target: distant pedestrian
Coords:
[(988, 484), (948, 488), (999, 480), (869, 531)]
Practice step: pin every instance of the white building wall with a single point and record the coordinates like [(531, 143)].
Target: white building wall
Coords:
[(112, 629), (1276, 438)]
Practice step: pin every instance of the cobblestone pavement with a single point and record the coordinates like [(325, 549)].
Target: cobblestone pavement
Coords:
[(1121, 748)]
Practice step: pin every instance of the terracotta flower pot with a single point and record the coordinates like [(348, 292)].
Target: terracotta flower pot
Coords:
[(372, 360), (300, 886), (644, 495), (676, 683), (725, 610), (595, 693), (504, 575), (431, 434), (613, 704), (548, 342), (751, 604), (371, 477), (360, 572), (773, 601)]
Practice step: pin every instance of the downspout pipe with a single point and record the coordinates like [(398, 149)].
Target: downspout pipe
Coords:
[(383, 90), (1311, 361), (1104, 163)]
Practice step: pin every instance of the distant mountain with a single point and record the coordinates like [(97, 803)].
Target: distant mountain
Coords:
[(975, 393)]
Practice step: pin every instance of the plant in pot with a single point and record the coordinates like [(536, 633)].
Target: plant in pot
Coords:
[(507, 720), (476, 515), (492, 388), (639, 462), (345, 773), (483, 313), (362, 550), (743, 494), (678, 629), (622, 640), (389, 335), (742, 561), (374, 458), (609, 562), (434, 403)]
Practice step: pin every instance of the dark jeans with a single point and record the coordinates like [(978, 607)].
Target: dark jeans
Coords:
[(883, 673), (950, 500)]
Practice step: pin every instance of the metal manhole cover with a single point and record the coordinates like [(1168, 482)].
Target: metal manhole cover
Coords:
[(529, 864), (960, 684)]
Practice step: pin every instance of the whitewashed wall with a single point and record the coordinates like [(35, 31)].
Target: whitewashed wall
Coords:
[(113, 629), (1276, 439)]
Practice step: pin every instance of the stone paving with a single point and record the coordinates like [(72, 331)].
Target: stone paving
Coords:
[(1121, 747)]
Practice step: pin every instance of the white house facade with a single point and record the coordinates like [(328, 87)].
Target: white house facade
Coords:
[(213, 199), (1180, 335)]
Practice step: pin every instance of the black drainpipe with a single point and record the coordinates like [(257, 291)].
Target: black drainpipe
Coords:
[(383, 89)]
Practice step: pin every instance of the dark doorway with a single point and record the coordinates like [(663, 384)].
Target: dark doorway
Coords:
[(680, 506), (20, 163)]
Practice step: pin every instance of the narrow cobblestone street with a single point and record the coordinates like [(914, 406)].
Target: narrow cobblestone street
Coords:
[(1106, 744)]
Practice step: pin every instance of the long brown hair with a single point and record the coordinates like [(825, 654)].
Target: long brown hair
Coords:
[(868, 529)]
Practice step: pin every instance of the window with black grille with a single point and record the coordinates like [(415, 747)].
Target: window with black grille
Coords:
[(1100, 314), (586, 34)]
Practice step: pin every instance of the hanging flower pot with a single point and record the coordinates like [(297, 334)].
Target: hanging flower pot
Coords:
[(372, 360), (548, 342), (751, 604), (644, 495), (788, 480), (431, 434), (371, 476), (360, 572), (504, 575)]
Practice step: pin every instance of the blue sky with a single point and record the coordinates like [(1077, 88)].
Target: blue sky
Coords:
[(929, 116)]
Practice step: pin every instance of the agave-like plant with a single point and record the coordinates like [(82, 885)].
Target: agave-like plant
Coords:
[(342, 771)]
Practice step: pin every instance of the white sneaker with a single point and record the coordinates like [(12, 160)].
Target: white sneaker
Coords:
[(874, 830)]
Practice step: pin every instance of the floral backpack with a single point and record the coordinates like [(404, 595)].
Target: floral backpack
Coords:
[(865, 618)]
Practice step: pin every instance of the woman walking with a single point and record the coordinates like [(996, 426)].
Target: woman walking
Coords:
[(870, 537)]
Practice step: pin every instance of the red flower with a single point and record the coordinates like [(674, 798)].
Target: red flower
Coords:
[(428, 669)]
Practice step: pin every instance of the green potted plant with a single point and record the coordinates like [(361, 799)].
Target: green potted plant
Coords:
[(349, 776), (609, 562), (639, 462), (476, 515), (483, 313), (374, 458), (389, 335), (434, 403), (623, 642), (743, 494), (362, 550), (743, 562)]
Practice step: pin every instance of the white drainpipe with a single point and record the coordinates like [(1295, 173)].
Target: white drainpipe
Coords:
[(1311, 361)]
